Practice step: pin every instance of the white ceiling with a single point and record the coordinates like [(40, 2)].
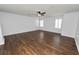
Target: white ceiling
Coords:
[(31, 9)]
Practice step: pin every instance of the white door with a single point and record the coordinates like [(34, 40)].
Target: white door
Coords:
[(1, 37)]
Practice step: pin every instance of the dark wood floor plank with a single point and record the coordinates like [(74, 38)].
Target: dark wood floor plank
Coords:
[(38, 43)]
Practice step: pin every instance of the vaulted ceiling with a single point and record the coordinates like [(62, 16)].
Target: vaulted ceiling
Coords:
[(31, 9)]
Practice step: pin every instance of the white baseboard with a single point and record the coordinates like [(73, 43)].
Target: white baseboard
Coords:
[(77, 42), (77, 45), (67, 35)]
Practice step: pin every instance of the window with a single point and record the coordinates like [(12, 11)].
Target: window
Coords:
[(58, 23), (41, 23)]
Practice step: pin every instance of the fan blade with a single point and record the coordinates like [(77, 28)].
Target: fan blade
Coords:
[(44, 13), (39, 12)]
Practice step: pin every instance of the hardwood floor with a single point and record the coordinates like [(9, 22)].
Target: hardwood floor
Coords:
[(38, 43)]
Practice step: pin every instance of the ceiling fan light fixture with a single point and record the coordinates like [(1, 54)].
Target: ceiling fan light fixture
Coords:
[(41, 13)]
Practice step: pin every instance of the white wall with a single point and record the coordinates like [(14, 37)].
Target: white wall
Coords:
[(69, 25), (13, 24), (77, 35), (77, 31)]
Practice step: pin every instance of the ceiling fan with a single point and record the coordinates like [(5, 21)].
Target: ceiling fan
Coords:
[(41, 13)]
